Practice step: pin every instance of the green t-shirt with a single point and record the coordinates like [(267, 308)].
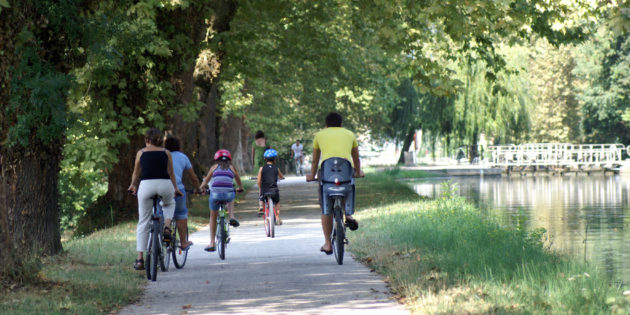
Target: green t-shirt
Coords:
[(259, 158)]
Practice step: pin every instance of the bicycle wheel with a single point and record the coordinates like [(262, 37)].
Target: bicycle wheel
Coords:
[(155, 250), (179, 255), (221, 237), (266, 219), (338, 234), (167, 248), (272, 218), (149, 253)]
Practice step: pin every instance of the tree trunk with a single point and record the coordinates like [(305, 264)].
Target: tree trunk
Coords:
[(406, 145), (33, 202), (233, 138)]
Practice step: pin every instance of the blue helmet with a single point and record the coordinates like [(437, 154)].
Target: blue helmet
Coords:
[(270, 154)]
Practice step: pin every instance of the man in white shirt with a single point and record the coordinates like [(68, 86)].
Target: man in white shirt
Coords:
[(298, 157)]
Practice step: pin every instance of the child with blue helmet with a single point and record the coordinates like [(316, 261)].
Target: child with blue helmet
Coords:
[(267, 182)]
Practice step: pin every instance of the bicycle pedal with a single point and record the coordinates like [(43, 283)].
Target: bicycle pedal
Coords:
[(345, 241), (227, 241)]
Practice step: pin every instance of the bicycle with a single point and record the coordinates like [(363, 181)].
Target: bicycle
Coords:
[(175, 250), (299, 171), (223, 228), (156, 247), (335, 179), (269, 215)]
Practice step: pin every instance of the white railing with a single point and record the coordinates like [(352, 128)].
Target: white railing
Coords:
[(556, 154)]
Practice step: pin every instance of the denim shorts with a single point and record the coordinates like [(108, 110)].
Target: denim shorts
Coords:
[(220, 196), (181, 211)]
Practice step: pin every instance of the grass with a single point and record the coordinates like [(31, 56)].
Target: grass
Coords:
[(444, 256), (94, 275)]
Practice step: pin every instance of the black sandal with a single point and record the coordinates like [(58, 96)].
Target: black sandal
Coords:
[(139, 264), (352, 224)]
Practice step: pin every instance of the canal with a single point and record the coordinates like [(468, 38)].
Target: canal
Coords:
[(585, 216)]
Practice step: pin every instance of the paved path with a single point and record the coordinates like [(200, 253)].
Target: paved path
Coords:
[(260, 275)]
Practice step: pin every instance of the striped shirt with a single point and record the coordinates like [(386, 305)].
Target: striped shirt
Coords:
[(222, 180)]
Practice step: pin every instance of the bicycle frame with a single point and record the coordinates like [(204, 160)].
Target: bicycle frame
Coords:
[(154, 248), (223, 229)]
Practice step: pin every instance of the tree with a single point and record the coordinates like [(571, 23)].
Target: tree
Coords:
[(604, 71), (142, 77), (39, 42)]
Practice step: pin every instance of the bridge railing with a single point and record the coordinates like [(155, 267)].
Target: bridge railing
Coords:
[(556, 154)]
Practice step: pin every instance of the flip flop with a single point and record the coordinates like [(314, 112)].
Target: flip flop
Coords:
[(210, 248), (187, 247), (321, 249), (352, 224)]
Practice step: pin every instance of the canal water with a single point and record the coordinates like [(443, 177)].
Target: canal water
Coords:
[(585, 216)]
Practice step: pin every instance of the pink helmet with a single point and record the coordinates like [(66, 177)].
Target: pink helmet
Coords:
[(223, 155)]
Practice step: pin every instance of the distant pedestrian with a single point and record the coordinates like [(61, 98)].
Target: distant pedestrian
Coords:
[(258, 149), (298, 157)]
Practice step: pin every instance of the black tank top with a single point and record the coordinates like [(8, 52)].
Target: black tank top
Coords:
[(269, 178), (154, 165)]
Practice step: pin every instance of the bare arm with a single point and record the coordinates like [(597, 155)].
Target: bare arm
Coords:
[(135, 176), (207, 178), (237, 178), (193, 177), (314, 165), (259, 179), (356, 162), (280, 175), (171, 174)]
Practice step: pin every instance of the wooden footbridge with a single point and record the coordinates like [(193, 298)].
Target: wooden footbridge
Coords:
[(557, 157)]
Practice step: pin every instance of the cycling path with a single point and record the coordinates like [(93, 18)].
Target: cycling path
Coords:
[(260, 275)]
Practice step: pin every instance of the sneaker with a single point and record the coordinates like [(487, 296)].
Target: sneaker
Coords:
[(234, 222), (261, 212), (278, 221)]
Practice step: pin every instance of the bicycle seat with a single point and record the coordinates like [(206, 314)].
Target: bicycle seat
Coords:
[(336, 171)]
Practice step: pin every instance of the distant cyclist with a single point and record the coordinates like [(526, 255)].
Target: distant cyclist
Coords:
[(267, 181), (221, 177), (298, 157), (335, 141)]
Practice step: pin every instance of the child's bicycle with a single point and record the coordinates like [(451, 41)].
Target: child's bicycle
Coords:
[(223, 227), (269, 215)]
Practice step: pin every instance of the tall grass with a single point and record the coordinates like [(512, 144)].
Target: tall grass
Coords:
[(444, 256)]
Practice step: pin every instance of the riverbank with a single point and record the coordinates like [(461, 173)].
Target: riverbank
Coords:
[(445, 256)]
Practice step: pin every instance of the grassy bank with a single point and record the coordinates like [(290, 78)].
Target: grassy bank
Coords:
[(95, 273), (443, 256)]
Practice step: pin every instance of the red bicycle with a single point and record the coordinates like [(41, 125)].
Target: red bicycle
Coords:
[(269, 215)]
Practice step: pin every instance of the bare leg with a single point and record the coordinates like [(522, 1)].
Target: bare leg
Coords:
[(140, 255), (213, 226), (182, 227), (327, 228), (230, 207), (277, 206)]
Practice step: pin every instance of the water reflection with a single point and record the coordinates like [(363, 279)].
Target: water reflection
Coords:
[(585, 216)]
